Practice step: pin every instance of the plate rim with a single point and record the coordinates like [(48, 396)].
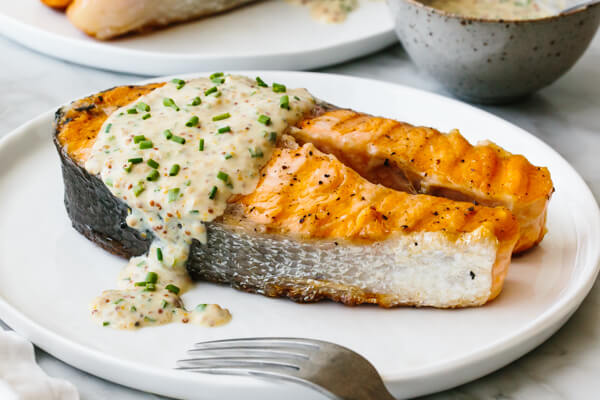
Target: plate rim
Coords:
[(13, 29), (548, 321)]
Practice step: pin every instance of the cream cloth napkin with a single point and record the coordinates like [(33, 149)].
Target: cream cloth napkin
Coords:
[(20, 376)]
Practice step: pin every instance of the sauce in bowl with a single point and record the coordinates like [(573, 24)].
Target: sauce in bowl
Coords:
[(498, 9)]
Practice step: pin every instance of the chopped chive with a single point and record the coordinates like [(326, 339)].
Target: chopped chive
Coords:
[(279, 88), (210, 91), (152, 277), (141, 283), (221, 117), (218, 94), (153, 175), (257, 153), (192, 121), (172, 288), (146, 144), (133, 309), (297, 98), (196, 102), (138, 189), (119, 300), (284, 102), (173, 194), (273, 137), (128, 167), (164, 304), (201, 145), (168, 102), (136, 160), (224, 129), (194, 212), (187, 183), (148, 319), (150, 287), (146, 116), (213, 193), (105, 323), (260, 82), (201, 307), (174, 170), (218, 81), (263, 119), (108, 128), (223, 176), (179, 82), (138, 138), (168, 134), (159, 255), (216, 75), (228, 156), (152, 163), (141, 106), (132, 111), (178, 139)]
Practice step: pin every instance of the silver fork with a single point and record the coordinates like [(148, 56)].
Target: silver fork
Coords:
[(333, 370)]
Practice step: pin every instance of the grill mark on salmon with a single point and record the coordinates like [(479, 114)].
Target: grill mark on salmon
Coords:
[(423, 160)]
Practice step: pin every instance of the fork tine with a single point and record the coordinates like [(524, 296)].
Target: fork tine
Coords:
[(229, 351), (259, 342), (234, 362)]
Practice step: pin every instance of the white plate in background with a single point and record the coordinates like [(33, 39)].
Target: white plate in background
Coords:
[(266, 35), (49, 273)]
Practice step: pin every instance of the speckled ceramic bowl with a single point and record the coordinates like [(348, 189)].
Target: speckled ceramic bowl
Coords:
[(493, 61)]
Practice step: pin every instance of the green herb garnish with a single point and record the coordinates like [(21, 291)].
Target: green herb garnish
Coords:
[(168, 102), (192, 121), (172, 288), (263, 119), (213, 193), (152, 163), (279, 88), (159, 255), (179, 82), (138, 138), (146, 144), (224, 129), (201, 145), (284, 102), (151, 277), (173, 194), (174, 170), (260, 82), (221, 117), (153, 176)]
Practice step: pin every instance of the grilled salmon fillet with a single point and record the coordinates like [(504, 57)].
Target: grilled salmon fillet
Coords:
[(423, 160), (313, 228), (106, 19)]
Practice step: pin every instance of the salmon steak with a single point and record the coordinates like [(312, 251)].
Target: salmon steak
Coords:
[(107, 19), (271, 191)]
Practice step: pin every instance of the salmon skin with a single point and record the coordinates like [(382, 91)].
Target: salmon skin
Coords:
[(423, 160), (312, 229)]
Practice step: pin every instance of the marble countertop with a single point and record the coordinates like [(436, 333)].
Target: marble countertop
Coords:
[(565, 115)]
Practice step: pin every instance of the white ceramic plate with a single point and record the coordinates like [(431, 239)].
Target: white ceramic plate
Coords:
[(49, 273), (267, 35)]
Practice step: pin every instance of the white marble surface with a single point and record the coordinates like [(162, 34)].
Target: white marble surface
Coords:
[(566, 115)]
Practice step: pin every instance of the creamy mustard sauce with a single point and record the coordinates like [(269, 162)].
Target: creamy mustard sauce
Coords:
[(174, 157), (328, 11), (498, 9)]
